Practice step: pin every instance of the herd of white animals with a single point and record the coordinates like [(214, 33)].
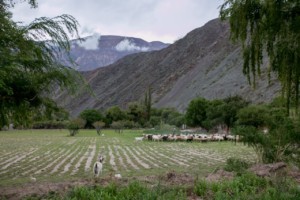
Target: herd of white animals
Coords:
[(189, 136)]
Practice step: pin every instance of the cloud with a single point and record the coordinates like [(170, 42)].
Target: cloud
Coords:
[(91, 42), (127, 45), (160, 20)]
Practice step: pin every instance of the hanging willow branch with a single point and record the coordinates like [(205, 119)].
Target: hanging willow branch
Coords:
[(29, 63), (272, 26)]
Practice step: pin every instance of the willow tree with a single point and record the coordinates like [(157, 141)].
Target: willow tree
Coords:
[(272, 28), (29, 63)]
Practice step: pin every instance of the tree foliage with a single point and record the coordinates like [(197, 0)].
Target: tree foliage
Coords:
[(271, 26), (196, 112), (114, 113), (279, 142), (29, 62), (208, 114), (148, 104), (98, 126), (74, 126), (90, 116)]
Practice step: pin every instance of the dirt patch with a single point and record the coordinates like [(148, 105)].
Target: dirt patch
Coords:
[(37, 189), (295, 174), (264, 170), (267, 170), (220, 175), (169, 178), (42, 189)]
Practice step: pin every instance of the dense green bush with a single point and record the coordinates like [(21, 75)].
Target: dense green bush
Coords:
[(279, 142), (50, 125), (90, 116), (248, 186), (236, 165)]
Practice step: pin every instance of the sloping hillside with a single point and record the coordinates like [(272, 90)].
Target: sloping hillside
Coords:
[(203, 63)]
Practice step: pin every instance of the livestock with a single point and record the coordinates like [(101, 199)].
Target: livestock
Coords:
[(147, 136), (230, 137), (118, 176), (217, 137), (137, 139), (164, 137), (171, 137), (33, 179), (189, 138), (98, 166), (156, 137)]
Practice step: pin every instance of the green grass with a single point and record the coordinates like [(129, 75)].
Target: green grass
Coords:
[(244, 187), (25, 153)]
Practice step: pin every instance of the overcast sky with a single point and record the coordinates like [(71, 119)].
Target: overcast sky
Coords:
[(162, 20)]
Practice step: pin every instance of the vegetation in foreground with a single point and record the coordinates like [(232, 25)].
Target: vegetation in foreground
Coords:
[(245, 186)]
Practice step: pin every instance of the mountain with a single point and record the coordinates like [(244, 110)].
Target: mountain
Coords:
[(98, 51), (204, 63)]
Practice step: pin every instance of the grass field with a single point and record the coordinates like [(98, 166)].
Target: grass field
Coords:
[(54, 156)]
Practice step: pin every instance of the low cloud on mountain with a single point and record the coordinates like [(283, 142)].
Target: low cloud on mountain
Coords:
[(91, 42), (127, 45)]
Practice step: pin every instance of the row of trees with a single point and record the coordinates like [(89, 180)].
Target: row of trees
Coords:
[(135, 116)]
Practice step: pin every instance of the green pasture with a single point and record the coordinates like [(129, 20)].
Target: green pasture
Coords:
[(54, 156)]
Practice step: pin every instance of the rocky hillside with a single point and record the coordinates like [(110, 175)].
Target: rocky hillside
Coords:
[(98, 51), (203, 63)]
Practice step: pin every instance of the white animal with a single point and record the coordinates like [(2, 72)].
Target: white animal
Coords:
[(33, 179), (139, 139), (98, 166), (118, 176), (156, 137)]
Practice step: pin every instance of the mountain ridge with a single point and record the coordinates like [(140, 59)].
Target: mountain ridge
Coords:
[(101, 50), (204, 63)]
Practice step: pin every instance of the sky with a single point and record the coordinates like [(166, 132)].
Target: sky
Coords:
[(151, 20)]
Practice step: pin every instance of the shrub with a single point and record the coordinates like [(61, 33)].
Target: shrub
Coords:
[(236, 165), (98, 126), (201, 188), (118, 126), (279, 143), (247, 186), (75, 125)]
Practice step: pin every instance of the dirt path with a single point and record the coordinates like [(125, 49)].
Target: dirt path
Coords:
[(137, 158), (128, 160), (55, 169), (69, 164), (16, 159), (91, 155), (112, 159)]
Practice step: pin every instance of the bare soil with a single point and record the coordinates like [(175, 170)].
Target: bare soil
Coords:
[(61, 188)]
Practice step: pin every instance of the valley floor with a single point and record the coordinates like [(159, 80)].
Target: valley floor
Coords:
[(49, 160)]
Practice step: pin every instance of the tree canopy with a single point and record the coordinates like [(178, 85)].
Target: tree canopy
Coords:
[(91, 116), (29, 61), (272, 28)]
